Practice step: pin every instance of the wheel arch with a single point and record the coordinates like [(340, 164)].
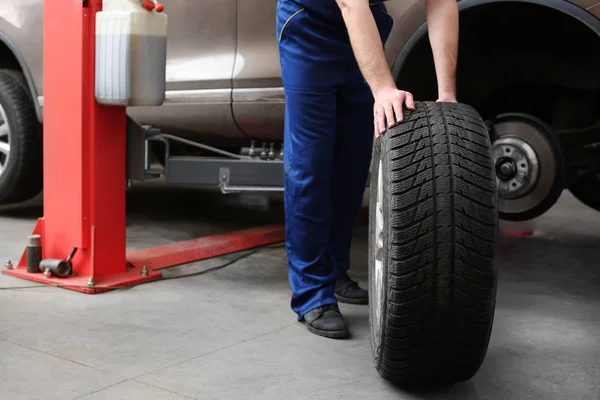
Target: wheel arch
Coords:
[(565, 7), (12, 57)]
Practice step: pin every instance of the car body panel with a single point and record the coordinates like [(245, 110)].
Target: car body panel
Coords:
[(257, 58), (595, 9), (258, 100), (585, 3), (21, 24), (222, 63), (201, 47)]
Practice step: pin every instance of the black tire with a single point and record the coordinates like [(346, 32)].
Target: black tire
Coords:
[(19, 78), (586, 189), (22, 178), (438, 270)]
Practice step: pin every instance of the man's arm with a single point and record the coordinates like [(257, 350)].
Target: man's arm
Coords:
[(442, 20), (368, 51)]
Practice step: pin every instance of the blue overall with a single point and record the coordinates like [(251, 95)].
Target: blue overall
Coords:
[(327, 144)]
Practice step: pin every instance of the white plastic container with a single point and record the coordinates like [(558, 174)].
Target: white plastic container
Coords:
[(131, 54)]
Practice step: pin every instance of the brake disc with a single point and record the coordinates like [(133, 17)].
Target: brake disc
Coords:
[(529, 165)]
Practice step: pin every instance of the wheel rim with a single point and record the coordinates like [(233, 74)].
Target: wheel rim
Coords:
[(378, 291), (4, 141), (526, 164)]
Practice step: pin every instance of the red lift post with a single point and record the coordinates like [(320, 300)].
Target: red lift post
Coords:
[(85, 172), (84, 159)]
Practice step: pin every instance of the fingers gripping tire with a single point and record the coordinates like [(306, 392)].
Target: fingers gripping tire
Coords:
[(433, 237)]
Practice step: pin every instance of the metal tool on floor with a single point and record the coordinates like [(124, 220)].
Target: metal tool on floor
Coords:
[(56, 267)]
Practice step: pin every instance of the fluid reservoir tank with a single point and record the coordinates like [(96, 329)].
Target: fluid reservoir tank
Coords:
[(131, 53)]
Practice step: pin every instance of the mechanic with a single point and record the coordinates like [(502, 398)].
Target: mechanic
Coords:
[(340, 93)]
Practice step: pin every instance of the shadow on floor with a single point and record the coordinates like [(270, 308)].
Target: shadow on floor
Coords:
[(461, 391), (155, 203)]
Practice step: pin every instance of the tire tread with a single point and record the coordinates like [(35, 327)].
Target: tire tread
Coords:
[(441, 246)]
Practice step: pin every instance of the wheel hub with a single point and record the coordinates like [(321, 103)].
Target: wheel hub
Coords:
[(506, 169), (517, 167), (4, 141)]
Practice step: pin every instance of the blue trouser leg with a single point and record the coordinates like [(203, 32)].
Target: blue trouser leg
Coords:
[(308, 149), (352, 157), (327, 147)]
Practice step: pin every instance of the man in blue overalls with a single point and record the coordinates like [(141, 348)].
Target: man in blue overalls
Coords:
[(338, 88)]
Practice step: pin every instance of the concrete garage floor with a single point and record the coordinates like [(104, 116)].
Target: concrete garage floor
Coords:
[(229, 334)]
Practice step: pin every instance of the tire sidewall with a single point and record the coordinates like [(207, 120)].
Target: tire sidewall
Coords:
[(379, 153), (14, 138)]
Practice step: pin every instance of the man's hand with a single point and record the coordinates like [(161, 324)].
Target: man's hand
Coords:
[(388, 108), (442, 18), (368, 51)]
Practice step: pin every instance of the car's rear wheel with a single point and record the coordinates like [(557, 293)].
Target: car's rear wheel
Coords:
[(20, 142), (433, 237), (529, 164)]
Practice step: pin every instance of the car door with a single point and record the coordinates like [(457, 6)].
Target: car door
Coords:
[(258, 98), (201, 54)]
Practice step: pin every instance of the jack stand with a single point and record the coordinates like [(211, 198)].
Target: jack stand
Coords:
[(84, 161)]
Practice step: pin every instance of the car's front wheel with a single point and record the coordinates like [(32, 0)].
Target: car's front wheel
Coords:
[(20, 142)]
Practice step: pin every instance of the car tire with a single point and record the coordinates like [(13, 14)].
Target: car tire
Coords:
[(21, 177), (433, 240), (19, 78)]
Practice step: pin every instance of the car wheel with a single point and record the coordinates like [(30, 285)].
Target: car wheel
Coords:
[(19, 78), (433, 237), (20, 142), (529, 164), (586, 188)]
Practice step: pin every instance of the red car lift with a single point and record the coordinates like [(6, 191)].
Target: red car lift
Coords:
[(85, 172)]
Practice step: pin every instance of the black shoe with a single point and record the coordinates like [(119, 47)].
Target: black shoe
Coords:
[(327, 321), (348, 291)]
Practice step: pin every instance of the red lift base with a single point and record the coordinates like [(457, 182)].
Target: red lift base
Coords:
[(131, 275), (80, 284), (156, 258)]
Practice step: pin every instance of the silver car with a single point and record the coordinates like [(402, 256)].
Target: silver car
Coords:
[(530, 67)]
